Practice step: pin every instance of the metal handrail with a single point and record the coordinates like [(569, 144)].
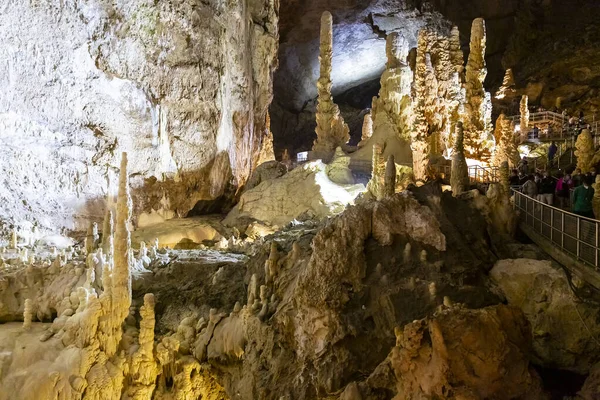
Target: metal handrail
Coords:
[(573, 234)]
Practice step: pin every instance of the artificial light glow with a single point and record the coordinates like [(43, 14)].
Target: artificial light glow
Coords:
[(517, 128)]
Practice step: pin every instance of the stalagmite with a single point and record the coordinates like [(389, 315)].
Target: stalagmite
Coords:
[(478, 106), (107, 231), (144, 368), (584, 151), (524, 107), (390, 177), (504, 179), (420, 132), (13, 239), (367, 129), (331, 129), (266, 148), (459, 178), (508, 86), (91, 238), (377, 183), (27, 314), (506, 148), (456, 53)]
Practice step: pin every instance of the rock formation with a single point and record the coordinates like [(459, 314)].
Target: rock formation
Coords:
[(332, 131), (185, 92), (459, 177), (584, 150), (390, 177), (507, 90), (524, 109), (506, 149), (376, 184), (542, 292), (273, 201), (367, 129), (478, 101), (266, 153), (338, 169)]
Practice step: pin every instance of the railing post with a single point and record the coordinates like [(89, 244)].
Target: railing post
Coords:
[(562, 230), (552, 225), (596, 249), (578, 240)]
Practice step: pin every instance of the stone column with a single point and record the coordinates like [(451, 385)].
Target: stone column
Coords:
[(331, 129)]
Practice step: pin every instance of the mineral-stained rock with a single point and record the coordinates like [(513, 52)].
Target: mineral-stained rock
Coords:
[(559, 321)]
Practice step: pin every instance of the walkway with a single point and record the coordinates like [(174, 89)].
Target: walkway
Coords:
[(571, 240), (552, 127)]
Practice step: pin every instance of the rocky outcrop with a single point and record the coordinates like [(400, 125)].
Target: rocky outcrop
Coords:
[(459, 353), (277, 202), (183, 88), (564, 328)]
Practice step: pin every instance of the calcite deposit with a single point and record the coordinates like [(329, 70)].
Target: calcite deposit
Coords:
[(584, 150), (182, 87)]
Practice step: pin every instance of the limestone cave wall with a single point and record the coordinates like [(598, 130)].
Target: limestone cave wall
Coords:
[(182, 86)]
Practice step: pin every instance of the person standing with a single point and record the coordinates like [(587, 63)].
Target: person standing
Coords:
[(563, 190), (547, 187), (536, 132), (582, 199), (551, 153)]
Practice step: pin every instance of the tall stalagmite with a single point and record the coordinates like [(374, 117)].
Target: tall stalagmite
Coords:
[(584, 151), (479, 106), (423, 87), (392, 107), (524, 107), (459, 178), (331, 129), (506, 148), (121, 274)]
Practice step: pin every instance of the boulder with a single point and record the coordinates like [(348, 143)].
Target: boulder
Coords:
[(564, 328)]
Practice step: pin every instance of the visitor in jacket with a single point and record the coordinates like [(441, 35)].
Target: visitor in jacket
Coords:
[(563, 190), (582, 199), (546, 192)]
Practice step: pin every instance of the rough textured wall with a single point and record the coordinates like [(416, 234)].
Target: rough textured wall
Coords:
[(182, 86)]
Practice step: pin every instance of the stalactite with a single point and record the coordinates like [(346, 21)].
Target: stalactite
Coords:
[(331, 129), (420, 132)]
